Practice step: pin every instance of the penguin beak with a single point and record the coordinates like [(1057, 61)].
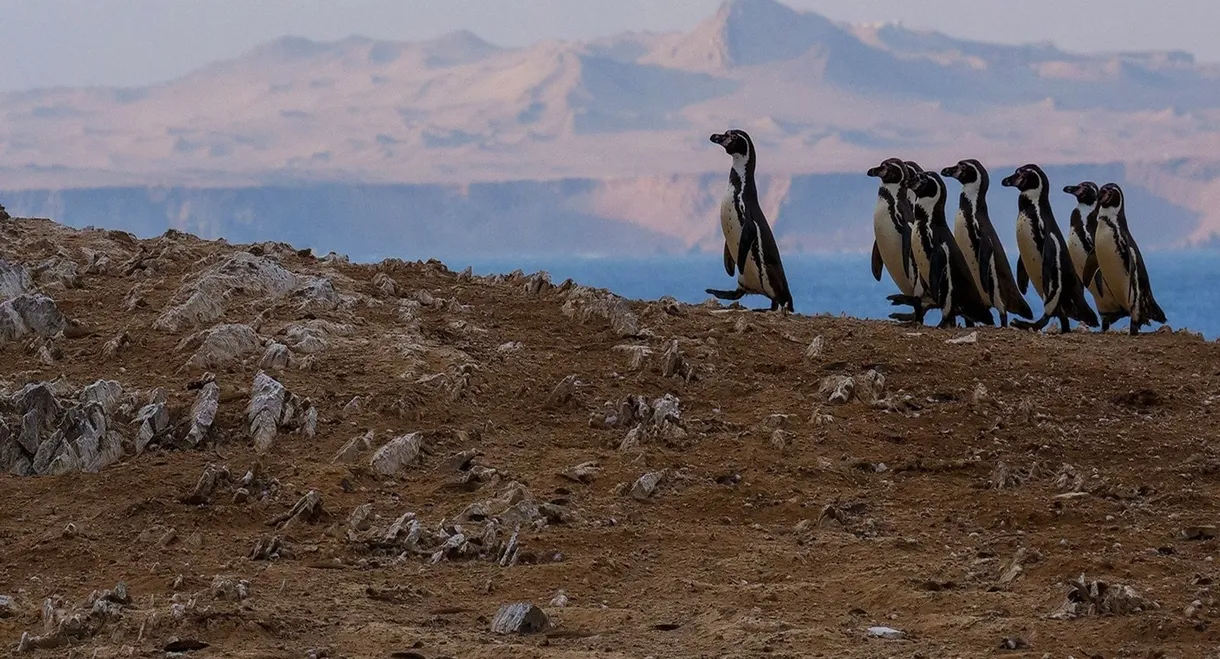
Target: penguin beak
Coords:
[(719, 138), (1011, 180), (875, 172), (951, 172), (1071, 189)]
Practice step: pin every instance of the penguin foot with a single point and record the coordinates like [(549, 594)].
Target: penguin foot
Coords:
[(1003, 319), (726, 295), (908, 318), (1026, 325), (898, 299)]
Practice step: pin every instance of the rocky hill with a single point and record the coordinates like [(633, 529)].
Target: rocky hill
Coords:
[(276, 454)]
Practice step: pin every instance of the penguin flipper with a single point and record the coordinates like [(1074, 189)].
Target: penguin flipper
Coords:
[(1022, 277), (984, 259), (1091, 272), (728, 260), (906, 249), (877, 263), (939, 265), (749, 236), (1152, 310)]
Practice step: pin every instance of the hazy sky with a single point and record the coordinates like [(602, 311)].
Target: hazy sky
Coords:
[(133, 42)]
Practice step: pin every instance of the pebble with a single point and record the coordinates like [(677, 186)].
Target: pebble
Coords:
[(520, 618), (886, 633)]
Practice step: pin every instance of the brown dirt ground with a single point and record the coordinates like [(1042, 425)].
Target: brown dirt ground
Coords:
[(743, 569)]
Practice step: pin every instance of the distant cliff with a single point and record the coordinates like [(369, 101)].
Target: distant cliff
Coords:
[(635, 216)]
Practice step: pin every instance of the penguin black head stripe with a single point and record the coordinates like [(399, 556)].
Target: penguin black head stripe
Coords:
[(1085, 192), (967, 172), (736, 143), (1110, 196), (928, 186), (1027, 178), (891, 170)]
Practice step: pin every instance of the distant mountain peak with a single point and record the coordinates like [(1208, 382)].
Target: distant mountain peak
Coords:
[(748, 33)]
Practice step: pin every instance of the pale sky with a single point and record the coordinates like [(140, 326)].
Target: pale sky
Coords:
[(46, 43)]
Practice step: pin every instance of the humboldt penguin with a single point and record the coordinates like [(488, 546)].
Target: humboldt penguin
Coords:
[(892, 228), (1080, 245), (1118, 260), (750, 249), (938, 261), (981, 246), (1044, 257)]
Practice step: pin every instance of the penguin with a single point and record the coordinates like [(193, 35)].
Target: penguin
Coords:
[(1044, 257), (750, 249), (891, 229), (1119, 262), (939, 263), (1080, 245), (981, 246)]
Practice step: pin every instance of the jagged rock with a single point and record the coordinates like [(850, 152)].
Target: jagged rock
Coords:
[(359, 519), (268, 549), (277, 357), (307, 509), (230, 588), (511, 346), (7, 607), (635, 355), (584, 472), (154, 420), (211, 478), (815, 347), (265, 410), (203, 413), (30, 314), (397, 454), (352, 407), (14, 280), (58, 272), (888, 633), (539, 282), (314, 336), (204, 298), (1100, 598), (221, 345), (385, 284), (107, 393), (309, 422), (320, 292), (646, 485), (520, 618), (586, 303), (114, 346), (868, 387), (563, 392), (351, 451), (675, 364)]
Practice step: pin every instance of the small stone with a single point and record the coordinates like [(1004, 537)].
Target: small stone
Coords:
[(351, 451), (972, 337), (520, 618), (203, 413), (886, 632), (1205, 532), (230, 588), (560, 600), (646, 485), (8, 607), (563, 392)]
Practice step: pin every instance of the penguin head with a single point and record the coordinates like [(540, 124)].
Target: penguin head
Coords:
[(967, 172), (1110, 196), (736, 143), (1027, 178), (890, 171), (1085, 192), (928, 185), (913, 170)]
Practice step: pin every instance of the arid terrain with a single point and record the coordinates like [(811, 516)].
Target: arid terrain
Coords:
[(279, 454)]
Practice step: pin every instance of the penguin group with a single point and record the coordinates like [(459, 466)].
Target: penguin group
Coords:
[(966, 272), (962, 271)]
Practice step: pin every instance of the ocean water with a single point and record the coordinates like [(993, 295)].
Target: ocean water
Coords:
[(1186, 283)]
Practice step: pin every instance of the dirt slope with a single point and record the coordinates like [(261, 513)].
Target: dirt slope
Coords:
[(954, 497)]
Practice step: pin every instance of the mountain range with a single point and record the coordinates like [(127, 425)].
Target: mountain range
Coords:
[(602, 145)]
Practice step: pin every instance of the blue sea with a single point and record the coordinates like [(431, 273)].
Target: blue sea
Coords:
[(1186, 283)]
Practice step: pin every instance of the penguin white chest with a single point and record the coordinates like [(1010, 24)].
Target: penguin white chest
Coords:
[(1031, 256), (1078, 253), (969, 250), (889, 243), (1110, 262), (749, 278)]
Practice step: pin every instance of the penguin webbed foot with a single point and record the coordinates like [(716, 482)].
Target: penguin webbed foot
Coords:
[(726, 295), (899, 299), (1064, 325), (1003, 319), (907, 318)]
